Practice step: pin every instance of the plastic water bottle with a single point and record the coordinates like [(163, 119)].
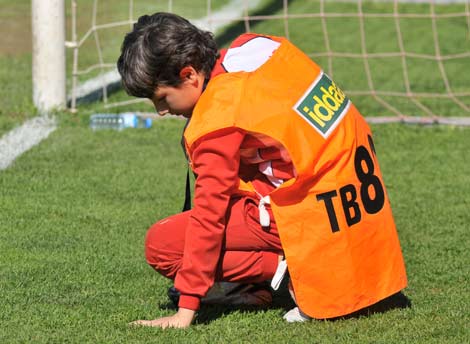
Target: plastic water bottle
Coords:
[(118, 121)]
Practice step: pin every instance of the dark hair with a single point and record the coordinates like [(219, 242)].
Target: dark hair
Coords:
[(156, 50)]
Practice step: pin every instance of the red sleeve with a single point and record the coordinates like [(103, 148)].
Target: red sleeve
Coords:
[(216, 161)]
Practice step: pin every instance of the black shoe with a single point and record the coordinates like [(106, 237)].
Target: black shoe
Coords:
[(234, 294), (174, 296)]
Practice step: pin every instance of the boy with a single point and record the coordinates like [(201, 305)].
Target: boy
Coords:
[(285, 167)]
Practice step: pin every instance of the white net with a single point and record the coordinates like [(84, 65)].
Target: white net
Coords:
[(399, 60)]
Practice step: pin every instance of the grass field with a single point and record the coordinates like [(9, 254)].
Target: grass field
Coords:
[(74, 211)]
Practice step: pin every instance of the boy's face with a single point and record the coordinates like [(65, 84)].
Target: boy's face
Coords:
[(179, 100)]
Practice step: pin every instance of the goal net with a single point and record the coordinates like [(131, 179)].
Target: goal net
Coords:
[(395, 59)]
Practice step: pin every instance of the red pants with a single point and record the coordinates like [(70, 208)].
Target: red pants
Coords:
[(249, 254)]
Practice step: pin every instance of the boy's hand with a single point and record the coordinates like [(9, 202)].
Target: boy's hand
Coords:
[(182, 319)]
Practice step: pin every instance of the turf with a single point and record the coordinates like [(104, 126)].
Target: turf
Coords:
[(74, 212), (15, 92), (75, 209)]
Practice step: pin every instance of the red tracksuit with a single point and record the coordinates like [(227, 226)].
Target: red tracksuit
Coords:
[(221, 238)]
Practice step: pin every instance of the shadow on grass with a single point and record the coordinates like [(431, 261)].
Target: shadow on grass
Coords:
[(283, 302), (234, 30), (395, 301), (209, 312)]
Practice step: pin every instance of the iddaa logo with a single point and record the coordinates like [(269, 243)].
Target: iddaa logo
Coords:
[(323, 105)]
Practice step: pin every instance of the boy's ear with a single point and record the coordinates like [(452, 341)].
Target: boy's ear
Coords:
[(188, 73)]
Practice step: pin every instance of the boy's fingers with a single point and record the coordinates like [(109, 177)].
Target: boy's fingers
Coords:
[(151, 323)]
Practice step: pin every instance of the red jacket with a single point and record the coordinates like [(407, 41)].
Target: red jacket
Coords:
[(219, 160)]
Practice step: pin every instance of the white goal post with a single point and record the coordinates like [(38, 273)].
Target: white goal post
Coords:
[(48, 27)]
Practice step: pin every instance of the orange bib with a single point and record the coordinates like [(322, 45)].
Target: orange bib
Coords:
[(334, 219)]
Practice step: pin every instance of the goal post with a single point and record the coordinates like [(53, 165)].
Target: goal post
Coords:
[(48, 28)]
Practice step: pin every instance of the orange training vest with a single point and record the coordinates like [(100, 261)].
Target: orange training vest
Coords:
[(334, 219)]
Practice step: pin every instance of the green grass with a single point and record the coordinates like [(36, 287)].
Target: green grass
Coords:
[(16, 92), (75, 209), (74, 212)]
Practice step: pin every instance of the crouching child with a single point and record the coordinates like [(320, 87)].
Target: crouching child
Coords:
[(287, 174)]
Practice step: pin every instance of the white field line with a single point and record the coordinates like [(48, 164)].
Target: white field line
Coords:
[(220, 18), (23, 138)]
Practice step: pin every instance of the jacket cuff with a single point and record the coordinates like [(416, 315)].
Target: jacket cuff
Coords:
[(189, 302)]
